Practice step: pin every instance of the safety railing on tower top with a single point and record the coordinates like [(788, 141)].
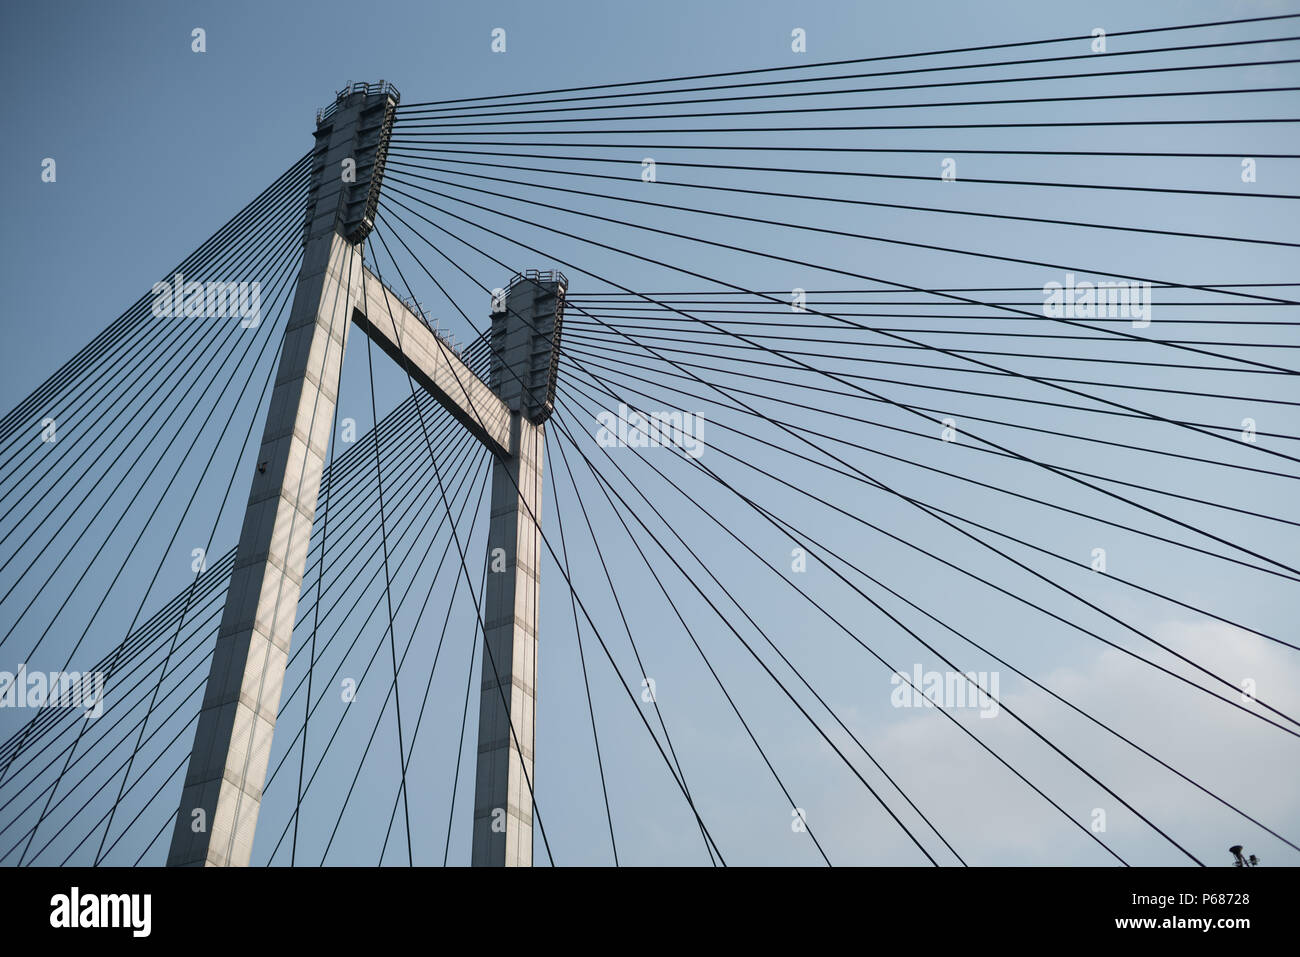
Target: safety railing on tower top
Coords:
[(538, 276), (382, 86)]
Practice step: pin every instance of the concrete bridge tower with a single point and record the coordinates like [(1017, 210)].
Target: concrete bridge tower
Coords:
[(222, 791)]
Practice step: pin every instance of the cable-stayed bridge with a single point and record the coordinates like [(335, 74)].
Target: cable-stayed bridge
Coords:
[(898, 473)]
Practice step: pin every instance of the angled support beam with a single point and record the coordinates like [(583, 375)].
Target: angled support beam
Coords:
[(433, 365)]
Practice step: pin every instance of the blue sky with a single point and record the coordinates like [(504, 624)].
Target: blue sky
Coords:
[(156, 146)]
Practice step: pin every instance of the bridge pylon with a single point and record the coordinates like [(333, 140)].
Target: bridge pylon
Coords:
[(222, 791)]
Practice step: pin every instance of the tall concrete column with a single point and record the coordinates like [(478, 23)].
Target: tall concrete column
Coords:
[(223, 785), (523, 375)]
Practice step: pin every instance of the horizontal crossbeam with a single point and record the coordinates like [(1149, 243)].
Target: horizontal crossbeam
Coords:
[(432, 363)]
